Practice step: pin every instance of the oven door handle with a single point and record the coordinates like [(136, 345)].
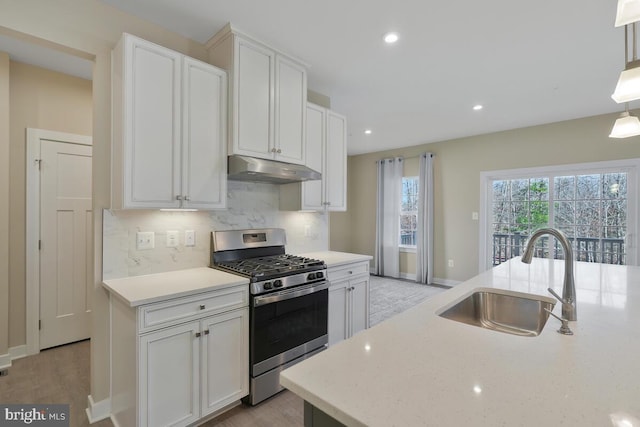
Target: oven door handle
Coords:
[(294, 293)]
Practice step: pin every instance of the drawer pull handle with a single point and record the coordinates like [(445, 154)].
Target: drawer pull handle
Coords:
[(198, 334), (350, 272), (206, 332), (202, 307)]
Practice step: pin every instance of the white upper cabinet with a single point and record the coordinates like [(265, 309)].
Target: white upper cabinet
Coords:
[(268, 93), (335, 173), (169, 128), (290, 112), (326, 147), (204, 124), (252, 100)]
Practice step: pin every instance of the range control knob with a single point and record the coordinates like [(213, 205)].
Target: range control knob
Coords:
[(311, 276), (277, 283), (319, 275), (267, 286)]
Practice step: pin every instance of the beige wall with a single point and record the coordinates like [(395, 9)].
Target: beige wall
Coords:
[(457, 167), (4, 208), (90, 29), (40, 99)]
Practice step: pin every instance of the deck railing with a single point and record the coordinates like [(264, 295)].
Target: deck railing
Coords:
[(606, 251)]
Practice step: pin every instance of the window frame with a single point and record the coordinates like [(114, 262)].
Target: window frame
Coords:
[(630, 166), (401, 247)]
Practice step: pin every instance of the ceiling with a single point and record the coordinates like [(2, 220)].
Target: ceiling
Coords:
[(31, 53), (527, 63)]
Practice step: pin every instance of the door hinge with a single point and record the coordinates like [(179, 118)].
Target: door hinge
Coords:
[(39, 324)]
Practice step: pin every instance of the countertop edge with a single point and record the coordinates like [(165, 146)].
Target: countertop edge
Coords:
[(202, 285)]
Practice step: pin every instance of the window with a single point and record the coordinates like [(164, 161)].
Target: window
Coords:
[(591, 205), (409, 212)]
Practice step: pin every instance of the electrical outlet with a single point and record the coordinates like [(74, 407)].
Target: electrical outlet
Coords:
[(189, 238), (172, 239), (450, 263), (145, 240)]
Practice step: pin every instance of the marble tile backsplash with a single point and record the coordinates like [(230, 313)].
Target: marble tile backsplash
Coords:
[(249, 205)]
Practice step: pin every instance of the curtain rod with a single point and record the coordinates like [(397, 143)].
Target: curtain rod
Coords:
[(405, 158)]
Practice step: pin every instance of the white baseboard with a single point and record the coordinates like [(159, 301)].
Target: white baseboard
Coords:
[(5, 361), (18, 352), (408, 276), (445, 282), (97, 411)]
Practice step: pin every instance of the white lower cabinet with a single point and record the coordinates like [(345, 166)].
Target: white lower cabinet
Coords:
[(348, 300), (169, 383), (185, 371)]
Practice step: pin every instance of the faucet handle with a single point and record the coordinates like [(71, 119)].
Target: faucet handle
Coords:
[(564, 328), (559, 298)]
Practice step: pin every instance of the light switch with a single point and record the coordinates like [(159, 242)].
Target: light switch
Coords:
[(145, 240), (172, 239), (189, 238), (474, 216)]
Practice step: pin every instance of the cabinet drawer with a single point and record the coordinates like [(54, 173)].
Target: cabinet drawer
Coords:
[(175, 310), (348, 270)]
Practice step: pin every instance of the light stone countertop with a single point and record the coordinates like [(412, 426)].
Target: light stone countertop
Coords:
[(419, 369), (149, 288), (333, 258)]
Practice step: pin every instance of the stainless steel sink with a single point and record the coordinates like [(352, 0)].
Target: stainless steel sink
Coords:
[(511, 312)]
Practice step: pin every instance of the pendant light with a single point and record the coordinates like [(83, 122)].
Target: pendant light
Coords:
[(627, 125), (628, 12), (628, 87)]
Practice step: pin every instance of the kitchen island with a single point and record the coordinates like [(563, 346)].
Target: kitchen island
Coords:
[(420, 369)]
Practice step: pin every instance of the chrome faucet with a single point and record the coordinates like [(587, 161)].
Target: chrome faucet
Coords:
[(568, 299)]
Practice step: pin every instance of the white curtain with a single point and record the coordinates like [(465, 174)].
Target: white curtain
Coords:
[(387, 255), (424, 238)]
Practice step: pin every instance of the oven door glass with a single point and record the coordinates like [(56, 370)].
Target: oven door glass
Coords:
[(282, 325)]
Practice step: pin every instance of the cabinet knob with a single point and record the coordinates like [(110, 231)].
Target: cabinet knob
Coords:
[(273, 150), (202, 307), (350, 272), (198, 334), (178, 197), (186, 198), (206, 332), (279, 151)]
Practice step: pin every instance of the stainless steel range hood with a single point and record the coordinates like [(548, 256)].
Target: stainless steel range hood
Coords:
[(243, 168)]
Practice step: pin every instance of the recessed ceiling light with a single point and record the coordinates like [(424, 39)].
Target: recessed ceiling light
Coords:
[(367, 131), (477, 107), (391, 38)]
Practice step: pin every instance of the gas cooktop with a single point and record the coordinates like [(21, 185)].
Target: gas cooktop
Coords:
[(263, 268)]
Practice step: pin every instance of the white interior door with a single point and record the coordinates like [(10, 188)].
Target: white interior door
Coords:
[(66, 242)]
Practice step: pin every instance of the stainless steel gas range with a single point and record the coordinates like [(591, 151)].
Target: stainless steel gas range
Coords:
[(288, 302)]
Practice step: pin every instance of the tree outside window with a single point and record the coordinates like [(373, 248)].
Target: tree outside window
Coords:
[(591, 209), (409, 211)]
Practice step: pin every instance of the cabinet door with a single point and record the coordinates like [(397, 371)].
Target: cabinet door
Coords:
[(151, 125), (204, 153), (359, 296), (225, 368), (169, 376), (338, 311), (335, 178), (253, 100), (290, 103), (312, 191)]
